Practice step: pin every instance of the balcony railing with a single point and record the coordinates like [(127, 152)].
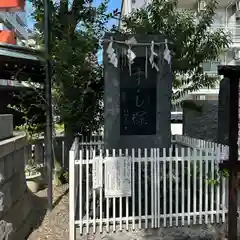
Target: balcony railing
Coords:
[(11, 22)]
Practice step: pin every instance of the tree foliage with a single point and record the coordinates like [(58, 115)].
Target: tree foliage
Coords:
[(30, 105), (76, 29), (194, 41)]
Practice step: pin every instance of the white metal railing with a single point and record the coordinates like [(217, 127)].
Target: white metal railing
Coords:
[(36, 151), (73, 180), (199, 144), (164, 187)]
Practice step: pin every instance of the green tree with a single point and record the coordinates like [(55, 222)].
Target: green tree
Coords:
[(194, 41), (76, 29), (77, 77)]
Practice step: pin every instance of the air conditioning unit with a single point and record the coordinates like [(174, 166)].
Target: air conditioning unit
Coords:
[(237, 54), (201, 5)]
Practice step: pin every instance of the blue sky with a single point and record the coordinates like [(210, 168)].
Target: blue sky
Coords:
[(28, 12), (113, 4)]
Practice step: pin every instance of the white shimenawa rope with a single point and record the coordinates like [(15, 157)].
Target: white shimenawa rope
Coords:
[(131, 55)]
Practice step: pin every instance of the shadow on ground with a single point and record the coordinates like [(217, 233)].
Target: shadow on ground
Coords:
[(40, 208), (58, 200)]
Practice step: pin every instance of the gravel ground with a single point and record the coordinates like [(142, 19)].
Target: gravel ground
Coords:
[(206, 232), (54, 225)]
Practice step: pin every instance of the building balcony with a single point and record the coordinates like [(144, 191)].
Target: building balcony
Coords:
[(11, 23), (192, 4)]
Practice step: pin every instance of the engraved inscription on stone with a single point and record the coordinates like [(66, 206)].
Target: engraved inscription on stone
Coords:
[(138, 111), (138, 103)]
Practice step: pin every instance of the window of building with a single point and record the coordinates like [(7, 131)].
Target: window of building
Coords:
[(211, 66), (199, 97), (234, 8), (214, 65), (212, 97), (206, 66), (176, 108), (202, 97), (201, 5)]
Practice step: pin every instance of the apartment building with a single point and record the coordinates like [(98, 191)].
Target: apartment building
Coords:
[(13, 30), (227, 17), (15, 22)]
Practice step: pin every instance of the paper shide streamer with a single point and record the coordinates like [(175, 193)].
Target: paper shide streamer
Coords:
[(112, 56), (130, 54), (167, 53), (152, 55)]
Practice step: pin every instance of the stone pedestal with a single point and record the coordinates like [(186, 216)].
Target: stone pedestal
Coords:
[(137, 108), (201, 124), (6, 126), (223, 112)]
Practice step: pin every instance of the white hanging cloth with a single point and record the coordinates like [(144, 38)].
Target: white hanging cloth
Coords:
[(167, 53), (111, 54), (151, 58)]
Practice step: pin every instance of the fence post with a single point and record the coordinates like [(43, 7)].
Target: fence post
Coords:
[(63, 155), (72, 199)]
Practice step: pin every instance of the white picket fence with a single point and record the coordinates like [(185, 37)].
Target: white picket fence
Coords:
[(36, 151), (197, 143), (168, 188)]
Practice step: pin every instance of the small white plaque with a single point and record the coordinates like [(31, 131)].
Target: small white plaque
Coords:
[(97, 172), (224, 155), (118, 181)]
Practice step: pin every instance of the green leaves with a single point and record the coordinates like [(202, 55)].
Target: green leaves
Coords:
[(194, 41), (76, 29)]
